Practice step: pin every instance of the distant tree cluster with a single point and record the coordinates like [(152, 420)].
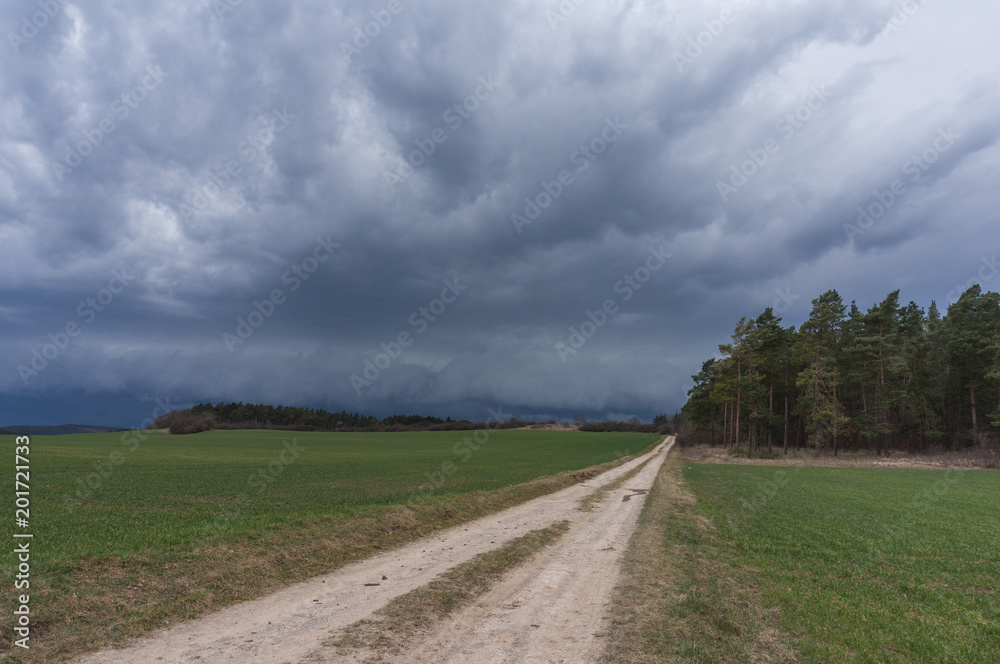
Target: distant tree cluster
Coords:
[(264, 416), (660, 425), (888, 378), (185, 421), (206, 416), (258, 415)]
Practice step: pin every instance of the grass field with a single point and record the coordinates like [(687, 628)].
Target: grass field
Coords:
[(128, 536), (817, 565)]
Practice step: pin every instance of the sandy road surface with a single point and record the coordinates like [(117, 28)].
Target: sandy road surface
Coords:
[(552, 609), (561, 591)]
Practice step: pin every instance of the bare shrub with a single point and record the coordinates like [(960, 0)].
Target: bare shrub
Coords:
[(688, 435), (184, 421), (986, 448)]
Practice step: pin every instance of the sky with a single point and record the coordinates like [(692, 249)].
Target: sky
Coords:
[(448, 208)]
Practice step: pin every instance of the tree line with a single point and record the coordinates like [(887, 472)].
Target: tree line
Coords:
[(249, 415), (892, 377), (239, 415)]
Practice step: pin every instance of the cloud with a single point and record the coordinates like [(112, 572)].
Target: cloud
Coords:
[(222, 143)]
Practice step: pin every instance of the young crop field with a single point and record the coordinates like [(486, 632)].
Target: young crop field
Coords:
[(130, 534), (821, 565)]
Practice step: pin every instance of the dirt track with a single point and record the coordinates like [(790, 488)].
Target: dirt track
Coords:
[(547, 611)]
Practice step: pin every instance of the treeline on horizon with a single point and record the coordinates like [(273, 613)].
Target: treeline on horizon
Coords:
[(206, 416), (892, 377)]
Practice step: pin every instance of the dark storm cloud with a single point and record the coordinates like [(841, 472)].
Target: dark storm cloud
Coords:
[(532, 155)]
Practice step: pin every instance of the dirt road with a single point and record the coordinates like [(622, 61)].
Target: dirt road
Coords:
[(546, 611)]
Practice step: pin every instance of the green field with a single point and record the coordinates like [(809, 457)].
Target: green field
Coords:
[(863, 565), (211, 518)]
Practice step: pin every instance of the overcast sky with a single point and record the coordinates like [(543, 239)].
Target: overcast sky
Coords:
[(393, 206)]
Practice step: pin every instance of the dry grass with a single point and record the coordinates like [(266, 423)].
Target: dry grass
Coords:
[(680, 599), (407, 618), (970, 458)]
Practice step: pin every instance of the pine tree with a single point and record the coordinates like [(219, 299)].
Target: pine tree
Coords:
[(724, 396), (857, 358), (994, 375), (972, 325), (770, 341), (915, 407), (890, 376), (789, 368), (883, 326), (700, 407), (819, 380), (743, 356)]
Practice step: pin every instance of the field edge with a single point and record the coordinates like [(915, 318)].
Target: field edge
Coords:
[(210, 578), (679, 599)]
